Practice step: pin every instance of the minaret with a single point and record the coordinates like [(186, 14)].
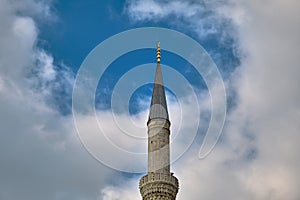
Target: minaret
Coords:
[(159, 183)]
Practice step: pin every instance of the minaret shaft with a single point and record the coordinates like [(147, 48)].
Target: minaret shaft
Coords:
[(158, 146)]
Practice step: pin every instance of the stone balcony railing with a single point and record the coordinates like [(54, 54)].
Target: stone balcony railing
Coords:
[(159, 186), (158, 177)]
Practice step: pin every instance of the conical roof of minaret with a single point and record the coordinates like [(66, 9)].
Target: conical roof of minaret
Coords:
[(158, 108)]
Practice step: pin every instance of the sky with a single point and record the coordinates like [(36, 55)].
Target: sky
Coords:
[(50, 152)]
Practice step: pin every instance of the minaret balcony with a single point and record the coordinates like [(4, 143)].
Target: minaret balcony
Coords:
[(159, 186), (159, 177)]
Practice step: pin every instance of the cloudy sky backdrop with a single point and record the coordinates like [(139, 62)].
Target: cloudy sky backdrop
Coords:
[(255, 45)]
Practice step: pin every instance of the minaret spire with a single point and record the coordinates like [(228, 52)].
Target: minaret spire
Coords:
[(159, 183), (158, 107)]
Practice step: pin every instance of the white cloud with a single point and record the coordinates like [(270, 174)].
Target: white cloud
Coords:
[(120, 192), (269, 97), (152, 10), (200, 17), (25, 31), (37, 9), (17, 37), (46, 67)]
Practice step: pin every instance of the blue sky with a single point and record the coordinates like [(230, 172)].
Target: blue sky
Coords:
[(43, 144), (94, 18), (82, 25), (79, 26)]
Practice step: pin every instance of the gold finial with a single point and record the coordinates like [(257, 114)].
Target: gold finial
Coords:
[(158, 52)]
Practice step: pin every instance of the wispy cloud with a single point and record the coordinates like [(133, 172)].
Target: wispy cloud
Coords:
[(154, 10), (115, 193), (201, 17)]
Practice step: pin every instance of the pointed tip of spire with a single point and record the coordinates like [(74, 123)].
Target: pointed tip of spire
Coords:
[(158, 52)]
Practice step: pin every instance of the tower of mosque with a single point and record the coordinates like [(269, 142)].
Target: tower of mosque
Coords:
[(159, 183)]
